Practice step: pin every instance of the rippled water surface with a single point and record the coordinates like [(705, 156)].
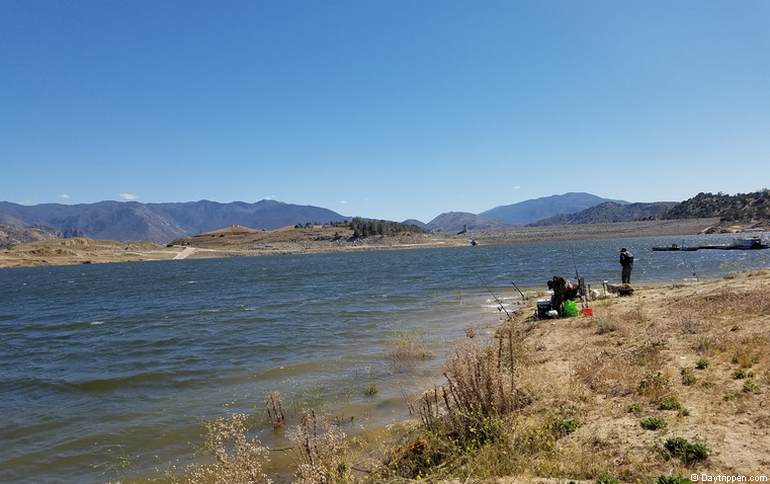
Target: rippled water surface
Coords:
[(106, 371)]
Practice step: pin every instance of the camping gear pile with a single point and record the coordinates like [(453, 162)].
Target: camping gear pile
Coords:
[(565, 296)]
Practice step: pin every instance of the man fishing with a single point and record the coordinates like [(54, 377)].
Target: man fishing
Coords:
[(562, 290), (627, 262)]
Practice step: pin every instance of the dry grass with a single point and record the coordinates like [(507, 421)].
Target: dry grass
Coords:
[(624, 371), (237, 458), (669, 353), (406, 350), (724, 302), (472, 410), (320, 450), (748, 351)]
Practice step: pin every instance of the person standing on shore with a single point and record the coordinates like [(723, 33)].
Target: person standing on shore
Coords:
[(627, 262)]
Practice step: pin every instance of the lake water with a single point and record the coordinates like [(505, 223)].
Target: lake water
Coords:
[(107, 371)]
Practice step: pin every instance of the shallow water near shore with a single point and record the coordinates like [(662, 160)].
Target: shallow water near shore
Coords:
[(107, 371)]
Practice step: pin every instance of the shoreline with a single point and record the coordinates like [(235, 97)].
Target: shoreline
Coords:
[(56, 252), (562, 369)]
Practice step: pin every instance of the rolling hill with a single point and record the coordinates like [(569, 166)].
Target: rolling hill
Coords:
[(530, 211), (456, 221), (746, 207), (609, 212), (11, 235), (414, 221)]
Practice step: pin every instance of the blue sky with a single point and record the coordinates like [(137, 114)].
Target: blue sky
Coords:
[(385, 109)]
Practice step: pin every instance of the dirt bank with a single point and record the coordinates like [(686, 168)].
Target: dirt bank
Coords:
[(673, 380)]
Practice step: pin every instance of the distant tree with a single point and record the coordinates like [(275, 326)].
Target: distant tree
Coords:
[(366, 227)]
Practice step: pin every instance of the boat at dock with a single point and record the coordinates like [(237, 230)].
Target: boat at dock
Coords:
[(673, 247), (746, 243)]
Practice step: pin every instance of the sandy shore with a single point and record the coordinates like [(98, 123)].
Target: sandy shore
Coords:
[(693, 359)]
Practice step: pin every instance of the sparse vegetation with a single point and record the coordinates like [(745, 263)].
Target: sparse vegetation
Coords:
[(406, 349), (607, 479), (320, 450), (749, 386), (635, 408), (701, 364), (655, 386), (604, 326), (669, 402), (236, 456), (741, 373), (652, 423), (686, 451), (673, 479), (688, 376), (371, 391), (567, 426)]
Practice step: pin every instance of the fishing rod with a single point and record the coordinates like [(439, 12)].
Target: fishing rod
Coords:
[(523, 296), (689, 263), (581, 282), (519, 291), (499, 302), (574, 262)]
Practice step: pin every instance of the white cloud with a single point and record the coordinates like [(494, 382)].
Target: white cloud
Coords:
[(268, 197), (344, 202), (64, 196), (128, 196), (516, 187)]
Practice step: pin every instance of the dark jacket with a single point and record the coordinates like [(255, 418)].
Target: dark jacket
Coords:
[(626, 258)]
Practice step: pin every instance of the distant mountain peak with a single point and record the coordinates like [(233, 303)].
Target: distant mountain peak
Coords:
[(533, 210)]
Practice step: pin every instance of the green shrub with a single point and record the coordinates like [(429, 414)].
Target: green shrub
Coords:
[(566, 426), (701, 364), (670, 402), (741, 373), (652, 423), (676, 479), (607, 479), (750, 387), (635, 408), (371, 391), (685, 450)]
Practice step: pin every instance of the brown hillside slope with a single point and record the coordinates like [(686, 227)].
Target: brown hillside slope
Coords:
[(82, 250)]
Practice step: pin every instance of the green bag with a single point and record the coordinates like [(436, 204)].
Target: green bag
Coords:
[(569, 309)]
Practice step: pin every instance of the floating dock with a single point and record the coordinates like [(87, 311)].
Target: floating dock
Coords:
[(753, 243)]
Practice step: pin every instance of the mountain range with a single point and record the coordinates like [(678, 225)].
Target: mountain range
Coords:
[(158, 222), (163, 222), (521, 213)]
